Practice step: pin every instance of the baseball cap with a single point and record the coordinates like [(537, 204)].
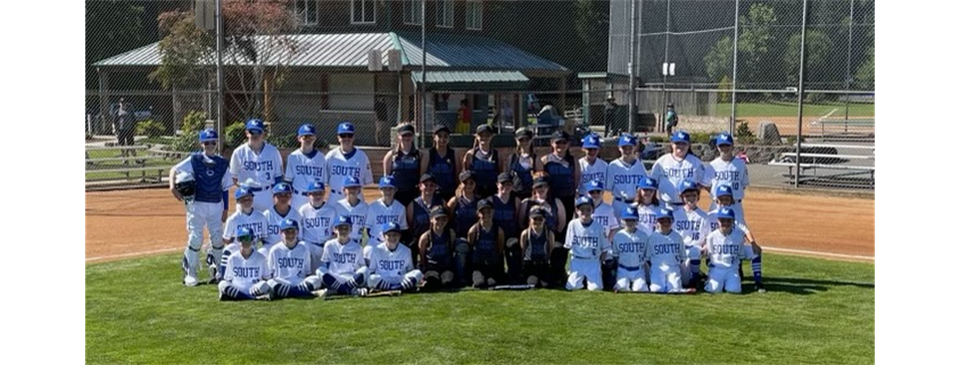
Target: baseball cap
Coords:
[(630, 213), (208, 134), (680, 136), (441, 128), (724, 139), (484, 203), (594, 185), (281, 188), (306, 130), (591, 141), (647, 183), (437, 212), (627, 140), (726, 213), (484, 128), (670, 105), (505, 177), (289, 224), (406, 129), (342, 220), (390, 226), (427, 177), (244, 234), (584, 200), (242, 192), (387, 182), (560, 135), (687, 185), (315, 186), (351, 181), (466, 175), (724, 190), (524, 132), (540, 180), (345, 128), (664, 213), (255, 125), (538, 211)]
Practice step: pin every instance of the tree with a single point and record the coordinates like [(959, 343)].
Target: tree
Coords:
[(818, 48), (591, 21), (863, 78), (185, 51), (112, 27), (753, 46)]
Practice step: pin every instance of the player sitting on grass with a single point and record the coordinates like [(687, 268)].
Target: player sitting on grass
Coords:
[(692, 225), (342, 267), (629, 246), (437, 252), (289, 264), (588, 245), (536, 243), (725, 247), (391, 266), (666, 253), (486, 246), (246, 273), (725, 200)]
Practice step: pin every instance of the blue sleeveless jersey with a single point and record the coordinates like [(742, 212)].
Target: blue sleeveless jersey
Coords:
[(485, 171), (485, 249), (439, 253), (505, 216), (560, 178), (525, 175), (421, 215), (465, 216), (406, 170), (209, 177), (536, 247), (442, 168)]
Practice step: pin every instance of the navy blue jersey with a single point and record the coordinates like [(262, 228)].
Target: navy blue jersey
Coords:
[(439, 249), (209, 177), (525, 174), (550, 218), (406, 170), (465, 216), (485, 172), (442, 168), (560, 178), (421, 215), (485, 247), (536, 249), (505, 216)]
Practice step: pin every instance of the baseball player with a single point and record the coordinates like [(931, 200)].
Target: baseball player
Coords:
[(245, 271), (437, 252), (346, 161), (728, 170), (305, 165), (673, 168), (257, 164), (555, 217), (624, 173), (316, 220), (506, 208), (207, 204), (385, 210), (463, 205), (391, 266), (484, 161), (523, 163), (342, 267), (563, 174), (692, 225), (753, 251), (486, 247), (418, 211), (629, 246), (647, 205), (602, 212), (726, 247), (592, 168), (289, 264), (440, 161), (403, 163), (245, 216), (666, 253), (353, 206), (281, 209), (537, 242), (588, 245)]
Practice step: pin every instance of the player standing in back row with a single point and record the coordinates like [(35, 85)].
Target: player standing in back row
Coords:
[(258, 165), (403, 164), (592, 168), (728, 170), (346, 161), (305, 165), (624, 173), (673, 168)]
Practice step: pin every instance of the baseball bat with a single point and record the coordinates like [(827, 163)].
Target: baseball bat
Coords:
[(513, 287)]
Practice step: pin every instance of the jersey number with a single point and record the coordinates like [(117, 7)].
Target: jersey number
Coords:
[(736, 185)]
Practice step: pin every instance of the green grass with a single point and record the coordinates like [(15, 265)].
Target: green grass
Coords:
[(783, 109), (815, 311)]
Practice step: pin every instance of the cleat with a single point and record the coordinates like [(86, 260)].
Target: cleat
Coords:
[(760, 288), (322, 293), (212, 270), (265, 297), (221, 297), (361, 292), (190, 280)]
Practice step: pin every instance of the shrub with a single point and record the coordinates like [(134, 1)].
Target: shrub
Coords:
[(193, 123), (286, 141), (744, 135), (659, 139), (235, 135), (150, 128)]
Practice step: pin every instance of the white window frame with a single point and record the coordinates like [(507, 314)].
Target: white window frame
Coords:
[(363, 4), (414, 9), (304, 16), (476, 18), (446, 15)]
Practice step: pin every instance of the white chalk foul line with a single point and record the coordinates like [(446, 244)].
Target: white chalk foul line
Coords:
[(141, 253), (818, 253)]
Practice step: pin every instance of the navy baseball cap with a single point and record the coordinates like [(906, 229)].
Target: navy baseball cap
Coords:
[(591, 141), (647, 183), (441, 128), (315, 186), (242, 192), (208, 135), (680, 136), (255, 125), (627, 140), (244, 234), (524, 131), (687, 185), (387, 182), (724, 139), (664, 213), (584, 200), (388, 227), (594, 185), (351, 181), (630, 213), (538, 211), (505, 177), (345, 128), (467, 175), (437, 212), (540, 180), (724, 190), (282, 188), (306, 130), (726, 213), (406, 129), (342, 220), (289, 224), (484, 128), (484, 203), (560, 136), (427, 177)]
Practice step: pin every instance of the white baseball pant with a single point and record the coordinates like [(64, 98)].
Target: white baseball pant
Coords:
[(200, 214), (665, 279), (631, 280), (583, 268), (408, 281), (723, 278)]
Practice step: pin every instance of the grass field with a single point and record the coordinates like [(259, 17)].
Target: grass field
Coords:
[(783, 109), (815, 311)]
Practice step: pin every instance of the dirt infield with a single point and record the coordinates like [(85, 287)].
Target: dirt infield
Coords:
[(128, 223)]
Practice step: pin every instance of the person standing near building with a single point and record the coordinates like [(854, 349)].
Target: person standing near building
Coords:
[(383, 120), (609, 114), (125, 126), (672, 118), (464, 118)]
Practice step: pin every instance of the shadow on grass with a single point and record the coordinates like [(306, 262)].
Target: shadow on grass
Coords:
[(803, 286)]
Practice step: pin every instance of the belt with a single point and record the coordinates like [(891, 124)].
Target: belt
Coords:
[(317, 244), (619, 199), (301, 192), (332, 191), (584, 258), (257, 190), (676, 204), (629, 268)]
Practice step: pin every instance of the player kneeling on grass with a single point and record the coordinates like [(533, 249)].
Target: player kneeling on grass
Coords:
[(725, 247), (725, 200), (666, 253), (629, 246), (587, 241), (244, 216), (486, 246), (437, 251), (391, 266), (289, 264), (342, 267), (536, 243), (246, 272)]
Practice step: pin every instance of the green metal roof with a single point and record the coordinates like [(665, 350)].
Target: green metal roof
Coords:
[(473, 80)]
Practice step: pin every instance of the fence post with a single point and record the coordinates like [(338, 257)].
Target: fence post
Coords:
[(803, 65)]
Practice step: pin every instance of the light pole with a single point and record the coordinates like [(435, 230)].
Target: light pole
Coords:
[(803, 65), (423, 71)]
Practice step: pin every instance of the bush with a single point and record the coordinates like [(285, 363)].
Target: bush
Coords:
[(659, 139), (235, 135), (700, 137), (744, 135), (286, 141), (193, 123), (150, 128)]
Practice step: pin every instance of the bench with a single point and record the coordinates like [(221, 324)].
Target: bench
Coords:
[(846, 123), (827, 161), (140, 160)]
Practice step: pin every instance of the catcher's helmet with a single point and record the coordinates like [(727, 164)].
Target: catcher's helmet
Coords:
[(185, 184)]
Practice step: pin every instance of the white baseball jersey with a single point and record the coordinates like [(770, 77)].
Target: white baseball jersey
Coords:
[(303, 169), (714, 223), (263, 168), (187, 166), (391, 265), (255, 221), (669, 173), (316, 223), (340, 166), (586, 241), (290, 264), (379, 214), (622, 178), (244, 272), (629, 248), (726, 250), (341, 259), (273, 223), (603, 213), (692, 225), (357, 214), (595, 172), (665, 250), (733, 173), (648, 217)]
